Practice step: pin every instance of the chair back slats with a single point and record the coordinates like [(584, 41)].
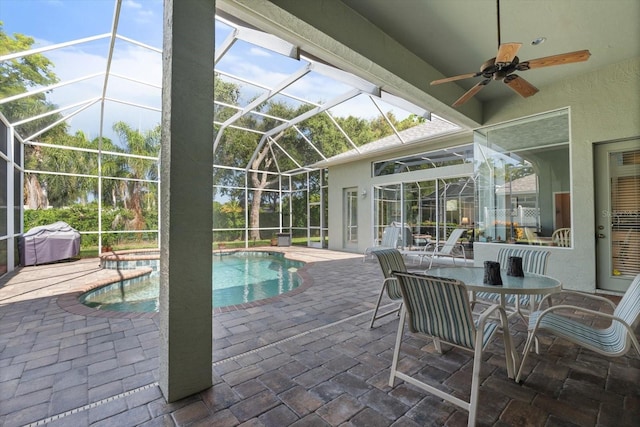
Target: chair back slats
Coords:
[(562, 237), (439, 308), (532, 261), (451, 242), (390, 237), (391, 260)]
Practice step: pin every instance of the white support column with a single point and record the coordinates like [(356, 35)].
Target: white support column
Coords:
[(186, 194), (11, 232)]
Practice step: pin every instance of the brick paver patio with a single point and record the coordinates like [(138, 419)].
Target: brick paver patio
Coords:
[(303, 359)]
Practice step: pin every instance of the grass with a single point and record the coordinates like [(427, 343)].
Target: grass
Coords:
[(92, 251)]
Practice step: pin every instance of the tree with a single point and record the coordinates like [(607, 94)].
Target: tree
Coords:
[(240, 148), (18, 76), (233, 211), (137, 169), (57, 189)]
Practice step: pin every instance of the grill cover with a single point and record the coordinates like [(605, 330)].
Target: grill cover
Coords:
[(49, 243)]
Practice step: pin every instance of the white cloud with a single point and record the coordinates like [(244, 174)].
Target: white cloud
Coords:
[(142, 13), (128, 60), (256, 51), (130, 4)]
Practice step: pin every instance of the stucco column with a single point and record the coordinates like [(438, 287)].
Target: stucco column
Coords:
[(186, 200)]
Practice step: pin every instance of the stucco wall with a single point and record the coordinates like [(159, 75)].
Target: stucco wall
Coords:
[(358, 174), (604, 106)]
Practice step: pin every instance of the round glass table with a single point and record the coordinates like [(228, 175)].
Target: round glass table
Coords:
[(472, 277)]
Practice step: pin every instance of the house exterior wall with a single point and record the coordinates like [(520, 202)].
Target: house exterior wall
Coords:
[(604, 106), (358, 174)]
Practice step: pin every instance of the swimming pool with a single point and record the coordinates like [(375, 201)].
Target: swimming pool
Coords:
[(238, 277)]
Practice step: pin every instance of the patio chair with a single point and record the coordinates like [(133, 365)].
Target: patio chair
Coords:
[(531, 236), (390, 260), (439, 308), (405, 236), (390, 237), (533, 261), (562, 237), (425, 251), (613, 341), (451, 248)]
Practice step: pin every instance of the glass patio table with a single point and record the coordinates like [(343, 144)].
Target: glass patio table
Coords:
[(530, 284)]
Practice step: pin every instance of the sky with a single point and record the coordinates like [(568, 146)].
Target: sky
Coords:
[(51, 22)]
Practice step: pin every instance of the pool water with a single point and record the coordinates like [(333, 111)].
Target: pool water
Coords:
[(238, 277)]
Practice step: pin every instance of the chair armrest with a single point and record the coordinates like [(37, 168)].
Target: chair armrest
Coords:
[(489, 311), (613, 318), (439, 246), (582, 310), (578, 293)]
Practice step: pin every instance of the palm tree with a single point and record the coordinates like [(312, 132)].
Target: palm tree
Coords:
[(137, 169)]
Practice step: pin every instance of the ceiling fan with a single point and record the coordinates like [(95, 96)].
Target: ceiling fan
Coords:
[(506, 63)]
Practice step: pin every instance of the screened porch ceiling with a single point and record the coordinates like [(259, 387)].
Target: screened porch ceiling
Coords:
[(269, 94)]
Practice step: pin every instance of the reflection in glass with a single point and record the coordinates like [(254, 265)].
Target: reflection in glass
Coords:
[(522, 179)]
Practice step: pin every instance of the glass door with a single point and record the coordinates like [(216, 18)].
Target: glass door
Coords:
[(617, 167), (350, 222)]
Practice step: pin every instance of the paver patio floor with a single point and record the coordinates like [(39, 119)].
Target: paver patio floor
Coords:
[(303, 359)]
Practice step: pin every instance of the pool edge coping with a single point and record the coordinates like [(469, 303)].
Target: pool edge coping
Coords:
[(70, 302)]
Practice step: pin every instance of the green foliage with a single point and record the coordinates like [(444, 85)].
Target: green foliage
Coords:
[(21, 74), (85, 218)]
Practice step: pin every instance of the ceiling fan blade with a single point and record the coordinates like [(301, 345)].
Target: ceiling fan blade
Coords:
[(547, 61), (470, 93), (454, 78), (520, 85), (506, 53)]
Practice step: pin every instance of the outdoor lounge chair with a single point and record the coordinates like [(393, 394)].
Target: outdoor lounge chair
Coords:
[(533, 261), (420, 254), (390, 237), (390, 260), (451, 248), (439, 308), (613, 341), (531, 236)]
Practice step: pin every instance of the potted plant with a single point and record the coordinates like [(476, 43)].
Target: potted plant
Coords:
[(107, 242)]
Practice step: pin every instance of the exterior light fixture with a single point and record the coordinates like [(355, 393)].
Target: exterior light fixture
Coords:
[(538, 40)]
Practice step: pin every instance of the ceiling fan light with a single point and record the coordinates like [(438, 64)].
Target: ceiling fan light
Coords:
[(538, 40)]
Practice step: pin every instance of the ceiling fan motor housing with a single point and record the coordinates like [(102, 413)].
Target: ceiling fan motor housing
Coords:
[(498, 70)]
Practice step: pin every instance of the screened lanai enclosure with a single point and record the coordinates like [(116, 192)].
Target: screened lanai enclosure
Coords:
[(80, 143), (80, 134)]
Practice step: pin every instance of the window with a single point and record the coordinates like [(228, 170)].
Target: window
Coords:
[(522, 171), (432, 159), (427, 210)]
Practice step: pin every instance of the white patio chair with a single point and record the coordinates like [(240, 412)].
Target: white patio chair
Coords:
[(531, 236), (613, 341), (451, 248), (439, 308), (533, 261), (419, 254), (390, 260), (562, 237), (390, 238)]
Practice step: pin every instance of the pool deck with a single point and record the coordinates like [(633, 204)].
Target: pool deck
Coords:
[(305, 358)]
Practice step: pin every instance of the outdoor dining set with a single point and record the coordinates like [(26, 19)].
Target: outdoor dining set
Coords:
[(466, 306)]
